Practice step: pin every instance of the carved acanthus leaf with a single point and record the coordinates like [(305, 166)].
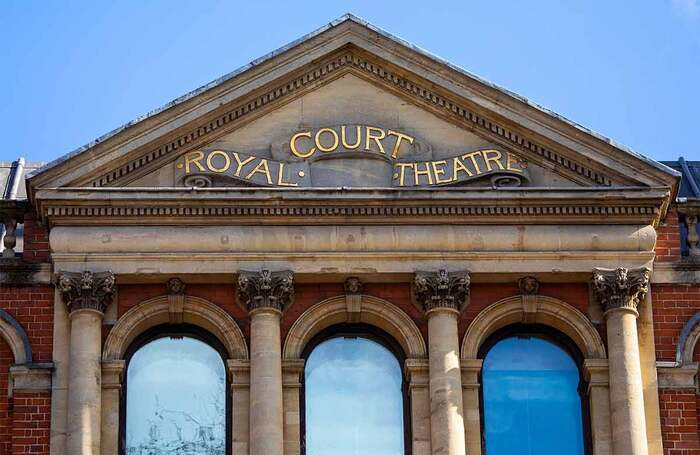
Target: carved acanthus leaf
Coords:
[(86, 290), (441, 289), (621, 287), (266, 289)]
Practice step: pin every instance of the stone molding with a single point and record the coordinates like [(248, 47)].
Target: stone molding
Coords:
[(529, 285), (16, 337), (265, 289), (374, 311), (156, 311), (596, 373), (112, 372), (17, 272), (366, 67), (547, 311), (671, 376), (621, 288), (688, 340), (30, 377), (441, 290), (86, 290)]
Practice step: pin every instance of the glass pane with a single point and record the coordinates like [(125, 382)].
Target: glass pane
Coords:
[(531, 400), (176, 399), (354, 401)]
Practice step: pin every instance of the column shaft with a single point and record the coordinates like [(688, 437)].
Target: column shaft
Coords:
[(266, 416), (446, 406), (84, 392), (626, 389)]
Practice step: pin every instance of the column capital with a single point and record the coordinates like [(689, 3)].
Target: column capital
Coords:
[(265, 289), (86, 290), (441, 290), (621, 288)]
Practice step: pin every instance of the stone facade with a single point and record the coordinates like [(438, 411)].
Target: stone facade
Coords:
[(427, 204)]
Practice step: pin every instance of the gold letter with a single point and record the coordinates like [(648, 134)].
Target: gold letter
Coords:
[(343, 138), (227, 161), (280, 182), (458, 165), (417, 173), (263, 169), (471, 156), (513, 159), (293, 145), (376, 138), (193, 158), (402, 173), (439, 172), (318, 140), (399, 138), (241, 163), (495, 158)]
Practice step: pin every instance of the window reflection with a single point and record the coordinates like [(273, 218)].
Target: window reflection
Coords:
[(176, 401), (531, 400), (353, 399)]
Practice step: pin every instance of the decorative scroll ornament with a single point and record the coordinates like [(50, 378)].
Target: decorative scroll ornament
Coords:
[(353, 286), (266, 289), (529, 285), (86, 290), (442, 289), (175, 286), (621, 287)]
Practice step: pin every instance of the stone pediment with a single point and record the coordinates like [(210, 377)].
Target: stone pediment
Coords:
[(350, 106)]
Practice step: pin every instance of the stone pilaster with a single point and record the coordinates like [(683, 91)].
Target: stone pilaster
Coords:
[(442, 295), (620, 291), (86, 295), (266, 294)]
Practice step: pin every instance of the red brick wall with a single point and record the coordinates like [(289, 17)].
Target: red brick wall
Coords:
[(673, 306), (668, 239), (33, 309), (6, 359), (36, 240), (31, 422), (679, 422)]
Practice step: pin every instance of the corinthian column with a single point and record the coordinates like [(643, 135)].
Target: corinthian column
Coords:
[(442, 296), (265, 294), (86, 295), (620, 291)]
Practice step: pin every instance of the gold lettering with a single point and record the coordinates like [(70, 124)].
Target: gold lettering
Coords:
[(374, 137), (471, 157), (397, 145), (417, 173), (293, 145), (318, 140), (280, 175), (241, 163), (402, 172), (495, 158), (193, 158), (343, 138), (457, 166), (510, 160), (439, 171), (210, 161), (262, 169)]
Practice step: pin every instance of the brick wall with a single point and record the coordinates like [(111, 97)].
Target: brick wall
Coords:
[(31, 422), (673, 306), (36, 240), (668, 239), (679, 422), (6, 359), (33, 309)]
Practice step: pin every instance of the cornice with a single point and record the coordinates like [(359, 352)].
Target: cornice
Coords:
[(142, 206)]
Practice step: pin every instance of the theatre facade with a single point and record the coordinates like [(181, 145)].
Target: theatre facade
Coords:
[(350, 246)]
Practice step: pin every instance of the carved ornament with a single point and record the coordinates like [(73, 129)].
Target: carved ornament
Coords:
[(266, 289), (621, 287), (86, 290), (441, 289)]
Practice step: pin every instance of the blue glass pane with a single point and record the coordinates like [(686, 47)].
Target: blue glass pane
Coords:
[(354, 401), (176, 399), (531, 400)]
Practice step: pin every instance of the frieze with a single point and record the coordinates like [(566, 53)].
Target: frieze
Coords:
[(355, 62)]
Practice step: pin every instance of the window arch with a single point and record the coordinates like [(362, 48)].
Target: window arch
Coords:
[(354, 396), (533, 393), (175, 393)]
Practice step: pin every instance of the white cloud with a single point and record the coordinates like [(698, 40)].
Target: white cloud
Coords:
[(687, 7)]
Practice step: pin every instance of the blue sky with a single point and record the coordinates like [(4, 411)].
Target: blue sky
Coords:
[(74, 70)]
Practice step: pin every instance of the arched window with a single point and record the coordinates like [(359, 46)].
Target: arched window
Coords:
[(175, 398), (533, 394), (354, 394)]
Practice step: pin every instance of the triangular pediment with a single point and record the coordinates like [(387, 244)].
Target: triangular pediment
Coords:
[(352, 106)]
